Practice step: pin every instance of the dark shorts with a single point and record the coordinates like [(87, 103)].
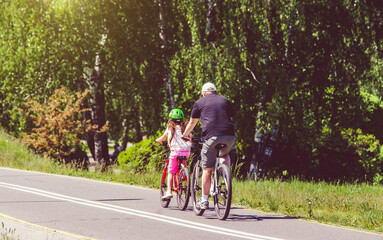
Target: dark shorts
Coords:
[(209, 153)]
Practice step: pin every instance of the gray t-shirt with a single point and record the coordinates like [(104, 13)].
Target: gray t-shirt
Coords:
[(214, 112)]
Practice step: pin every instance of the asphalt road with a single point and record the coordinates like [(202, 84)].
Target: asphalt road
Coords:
[(45, 206)]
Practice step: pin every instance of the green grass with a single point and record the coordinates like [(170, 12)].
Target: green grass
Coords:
[(358, 206), (15, 154), (354, 205)]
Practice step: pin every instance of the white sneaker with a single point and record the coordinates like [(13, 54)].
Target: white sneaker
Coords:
[(167, 196), (203, 205)]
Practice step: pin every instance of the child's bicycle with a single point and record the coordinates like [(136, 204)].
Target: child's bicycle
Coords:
[(181, 184), (220, 189)]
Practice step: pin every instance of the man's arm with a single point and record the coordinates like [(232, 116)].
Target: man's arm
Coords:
[(191, 124)]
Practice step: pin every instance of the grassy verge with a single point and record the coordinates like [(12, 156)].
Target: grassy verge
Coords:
[(355, 205), (15, 154)]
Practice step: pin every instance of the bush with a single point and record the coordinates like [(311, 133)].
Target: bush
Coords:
[(348, 155), (144, 156), (57, 129), (369, 152)]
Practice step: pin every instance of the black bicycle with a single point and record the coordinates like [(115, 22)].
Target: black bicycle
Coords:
[(220, 190), (263, 149)]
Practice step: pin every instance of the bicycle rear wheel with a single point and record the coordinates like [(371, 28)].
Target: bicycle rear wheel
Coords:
[(252, 170), (164, 203), (222, 200), (196, 187), (183, 190)]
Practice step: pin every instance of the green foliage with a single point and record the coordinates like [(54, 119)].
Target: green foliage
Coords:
[(144, 156), (57, 128), (369, 153), (346, 155), (313, 67)]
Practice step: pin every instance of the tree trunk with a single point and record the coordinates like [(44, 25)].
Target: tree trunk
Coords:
[(97, 101), (90, 135), (125, 132), (137, 124), (210, 33), (167, 77), (211, 22)]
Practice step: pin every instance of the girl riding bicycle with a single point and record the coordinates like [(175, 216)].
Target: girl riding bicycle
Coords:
[(178, 146)]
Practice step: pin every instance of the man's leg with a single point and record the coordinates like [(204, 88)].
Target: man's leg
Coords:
[(224, 152), (206, 180), (208, 156), (206, 183)]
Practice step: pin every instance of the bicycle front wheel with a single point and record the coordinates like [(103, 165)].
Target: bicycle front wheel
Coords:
[(222, 200), (164, 203), (196, 187), (183, 189)]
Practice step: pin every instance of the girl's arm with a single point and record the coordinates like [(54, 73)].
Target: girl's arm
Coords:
[(162, 138)]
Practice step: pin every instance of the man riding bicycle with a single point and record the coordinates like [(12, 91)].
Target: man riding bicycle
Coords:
[(216, 115)]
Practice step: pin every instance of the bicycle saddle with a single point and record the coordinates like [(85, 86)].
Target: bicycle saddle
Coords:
[(181, 158), (220, 146)]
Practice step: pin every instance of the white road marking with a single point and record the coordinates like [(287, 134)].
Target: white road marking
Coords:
[(130, 211)]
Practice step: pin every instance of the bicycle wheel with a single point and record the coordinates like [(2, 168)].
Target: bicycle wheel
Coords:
[(196, 187), (252, 169), (222, 200), (261, 170), (183, 189), (164, 203)]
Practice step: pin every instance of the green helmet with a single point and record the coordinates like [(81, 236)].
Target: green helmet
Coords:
[(176, 113)]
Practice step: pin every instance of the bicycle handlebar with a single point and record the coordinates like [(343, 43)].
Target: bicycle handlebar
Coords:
[(185, 139)]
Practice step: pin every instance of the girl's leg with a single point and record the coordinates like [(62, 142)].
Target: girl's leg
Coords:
[(172, 168), (170, 182), (168, 195)]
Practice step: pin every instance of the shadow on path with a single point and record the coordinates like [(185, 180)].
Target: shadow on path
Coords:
[(255, 218), (119, 199)]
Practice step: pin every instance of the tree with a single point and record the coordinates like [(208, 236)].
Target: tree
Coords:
[(97, 100), (164, 35)]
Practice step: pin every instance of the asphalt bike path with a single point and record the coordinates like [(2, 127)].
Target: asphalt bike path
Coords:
[(61, 207)]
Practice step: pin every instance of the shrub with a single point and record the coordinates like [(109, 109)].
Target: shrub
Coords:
[(143, 156), (369, 152), (57, 127), (349, 155)]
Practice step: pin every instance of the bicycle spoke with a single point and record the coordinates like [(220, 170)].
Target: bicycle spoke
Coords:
[(222, 199), (196, 188), (183, 192), (164, 203)]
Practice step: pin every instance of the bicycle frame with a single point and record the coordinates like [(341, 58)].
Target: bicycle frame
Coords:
[(213, 189), (175, 187), (180, 184)]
